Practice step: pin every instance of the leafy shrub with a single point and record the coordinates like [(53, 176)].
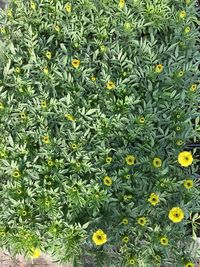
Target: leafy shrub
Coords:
[(98, 104)]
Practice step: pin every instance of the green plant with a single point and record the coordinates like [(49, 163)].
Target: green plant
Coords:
[(97, 103)]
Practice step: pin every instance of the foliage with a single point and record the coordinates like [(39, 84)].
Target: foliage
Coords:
[(98, 99)]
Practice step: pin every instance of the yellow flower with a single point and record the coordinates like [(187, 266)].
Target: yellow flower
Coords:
[(57, 28), (78, 164), (103, 48), (69, 117), (109, 159), (93, 78), (188, 184), (99, 237), (193, 87), (121, 3), (176, 214), (180, 73), (141, 120), (157, 162), (16, 174), (189, 264), (125, 239), (45, 139), (127, 176), (68, 7), (22, 115), (142, 221), (164, 241), (153, 199), (130, 160), (185, 158), (33, 5), (75, 63), (159, 68), (132, 262), (50, 162), (107, 181), (187, 29), (178, 128), (9, 13), (125, 221), (48, 54), (35, 253), (43, 104), (46, 70), (17, 70), (179, 142), (73, 146), (182, 14), (1, 105), (110, 85), (2, 29)]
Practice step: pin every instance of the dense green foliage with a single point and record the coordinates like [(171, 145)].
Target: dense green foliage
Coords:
[(98, 98)]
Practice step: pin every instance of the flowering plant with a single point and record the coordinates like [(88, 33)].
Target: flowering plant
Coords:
[(98, 104)]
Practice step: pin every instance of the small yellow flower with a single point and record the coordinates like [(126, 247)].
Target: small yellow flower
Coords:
[(107, 181), (2, 29), (153, 199), (43, 104), (109, 159), (75, 63), (69, 117), (33, 5), (103, 48), (187, 29), (188, 184), (130, 160), (125, 239), (35, 253), (180, 73), (45, 139), (193, 87), (24, 213), (57, 28), (182, 14), (127, 176), (68, 7), (16, 174), (17, 70), (74, 146), (1, 105), (127, 25), (50, 162), (93, 78), (142, 221), (164, 241), (178, 128), (157, 162), (179, 142), (45, 70), (125, 221), (9, 13), (78, 164), (132, 262), (110, 85), (99, 237), (159, 68), (22, 115), (142, 120), (121, 3), (189, 264), (185, 158), (48, 55), (176, 214)]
